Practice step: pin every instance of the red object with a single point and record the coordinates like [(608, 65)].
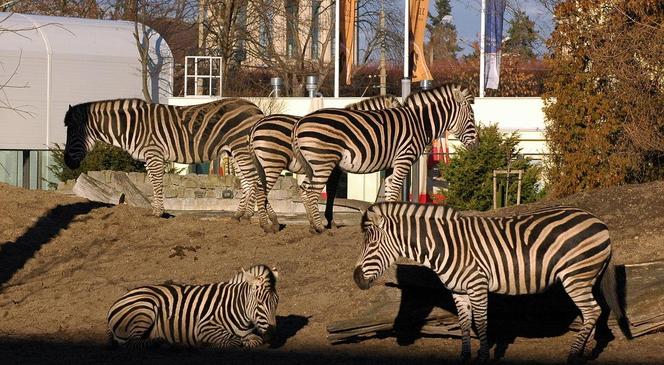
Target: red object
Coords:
[(323, 195)]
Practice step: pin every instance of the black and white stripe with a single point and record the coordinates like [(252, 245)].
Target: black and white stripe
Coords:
[(271, 145), (241, 312), (474, 255), (156, 133), (369, 141)]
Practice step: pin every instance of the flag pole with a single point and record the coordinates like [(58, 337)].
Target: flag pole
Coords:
[(406, 40), (337, 54), (482, 37)]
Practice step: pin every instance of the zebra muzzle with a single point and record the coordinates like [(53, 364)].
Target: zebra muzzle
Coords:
[(361, 282)]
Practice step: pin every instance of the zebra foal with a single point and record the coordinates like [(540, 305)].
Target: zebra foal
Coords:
[(271, 145), (472, 256), (156, 133), (369, 141), (241, 312)]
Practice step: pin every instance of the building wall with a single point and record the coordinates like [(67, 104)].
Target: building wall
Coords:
[(57, 62)]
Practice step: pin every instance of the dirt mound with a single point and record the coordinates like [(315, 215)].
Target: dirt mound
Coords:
[(63, 261)]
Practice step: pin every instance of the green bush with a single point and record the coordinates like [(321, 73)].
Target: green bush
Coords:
[(470, 172), (102, 157)]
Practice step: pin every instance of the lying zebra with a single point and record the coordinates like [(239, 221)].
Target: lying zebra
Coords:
[(240, 312), (156, 133), (270, 141), (473, 256)]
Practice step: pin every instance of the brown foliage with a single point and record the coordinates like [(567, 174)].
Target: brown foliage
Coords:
[(606, 91)]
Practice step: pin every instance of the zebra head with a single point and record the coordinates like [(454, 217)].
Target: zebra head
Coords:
[(379, 252), (463, 124), (78, 140), (263, 298)]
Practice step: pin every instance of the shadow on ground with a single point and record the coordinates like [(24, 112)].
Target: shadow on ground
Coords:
[(13, 255), (548, 314)]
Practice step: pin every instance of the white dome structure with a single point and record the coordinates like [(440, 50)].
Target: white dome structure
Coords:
[(48, 63)]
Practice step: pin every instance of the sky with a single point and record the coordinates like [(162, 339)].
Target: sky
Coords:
[(466, 18)]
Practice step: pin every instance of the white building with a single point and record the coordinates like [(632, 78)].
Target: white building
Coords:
[(49, 63)]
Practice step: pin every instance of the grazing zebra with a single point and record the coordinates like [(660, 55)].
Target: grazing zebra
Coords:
[(369, 141), (473, 256), (156, 133), (270, 141), (241, 312)]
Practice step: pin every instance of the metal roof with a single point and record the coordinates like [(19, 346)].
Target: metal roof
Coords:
[(57, 61)]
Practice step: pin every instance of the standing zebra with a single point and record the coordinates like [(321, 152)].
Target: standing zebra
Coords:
[(156, 133), (241, 312), (271, 144), (369, 141), (473, 256)]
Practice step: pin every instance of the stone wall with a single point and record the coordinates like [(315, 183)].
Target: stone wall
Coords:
[(202, 192)]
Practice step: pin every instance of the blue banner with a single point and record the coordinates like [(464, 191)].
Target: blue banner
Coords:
[(493, 37)]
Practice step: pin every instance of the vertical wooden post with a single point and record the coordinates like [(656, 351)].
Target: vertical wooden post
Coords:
[(495, 202), (26, 169)]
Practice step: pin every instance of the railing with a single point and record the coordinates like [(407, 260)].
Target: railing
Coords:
[(206, 77)]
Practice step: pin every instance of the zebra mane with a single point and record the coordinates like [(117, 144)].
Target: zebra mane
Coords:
[(456, 91), (76, 112), (380, 99), (407, 209), (262, 271)]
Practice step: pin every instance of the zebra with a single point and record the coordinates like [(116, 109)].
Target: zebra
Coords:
[(156, 133), (369, 141), (271, 145), (473, 255), (238, 313)]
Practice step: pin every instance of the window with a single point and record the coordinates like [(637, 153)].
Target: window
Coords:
[(315, 28), (291, 27), (265, 36)]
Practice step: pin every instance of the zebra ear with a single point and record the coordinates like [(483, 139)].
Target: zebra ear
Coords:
[(374, 217), (250, 278), (275, 272)]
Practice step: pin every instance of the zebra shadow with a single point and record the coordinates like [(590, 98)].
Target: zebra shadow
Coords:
[(287, 327), (542, 315), (13, 255)]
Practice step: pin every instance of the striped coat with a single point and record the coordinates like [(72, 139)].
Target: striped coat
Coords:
[(156, 133), (271, 145), (474, 255), (370, 141), (241, 312)]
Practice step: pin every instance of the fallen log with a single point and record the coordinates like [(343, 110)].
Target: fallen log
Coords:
[(95, 190), (133, 196), (643, 286)]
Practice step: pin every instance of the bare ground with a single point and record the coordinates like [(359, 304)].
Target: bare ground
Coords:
[(64, 260)]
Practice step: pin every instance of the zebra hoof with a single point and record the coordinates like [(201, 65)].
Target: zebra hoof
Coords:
[(575, 359), (316, 230)]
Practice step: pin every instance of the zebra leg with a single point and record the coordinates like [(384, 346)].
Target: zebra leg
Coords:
[(331, 188), (583, 298), (312, 190), (248, 180), (462, 303), (251, 340), (265, 210), (479, 301), (394, 182), (154, 164)]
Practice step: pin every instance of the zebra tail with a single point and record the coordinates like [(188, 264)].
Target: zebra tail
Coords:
[(261, 176), (308, 170), (609, 289)]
